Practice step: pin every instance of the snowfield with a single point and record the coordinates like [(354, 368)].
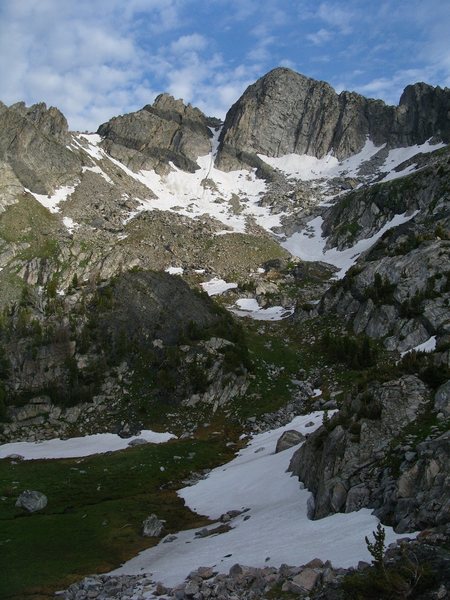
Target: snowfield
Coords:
[(274, 528), (79, 446), (309, 244), (249, 307), (232, 198)]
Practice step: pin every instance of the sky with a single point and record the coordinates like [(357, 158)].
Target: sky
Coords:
[(95, 59)]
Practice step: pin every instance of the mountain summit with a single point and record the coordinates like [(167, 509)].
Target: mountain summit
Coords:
[(285, 112)]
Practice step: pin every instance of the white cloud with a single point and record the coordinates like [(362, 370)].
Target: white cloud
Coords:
[(391, 88), (97, 58), (189, 43), (79, 55), (319, 37), (334, 15)]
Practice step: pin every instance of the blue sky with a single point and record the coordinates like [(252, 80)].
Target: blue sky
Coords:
[(94, 59)]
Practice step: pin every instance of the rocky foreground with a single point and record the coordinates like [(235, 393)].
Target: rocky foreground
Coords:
[(410, 569)]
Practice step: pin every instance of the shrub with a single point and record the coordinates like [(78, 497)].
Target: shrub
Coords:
[(356, 352)]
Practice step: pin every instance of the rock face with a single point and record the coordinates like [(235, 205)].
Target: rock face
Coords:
[(33, 145), (285, 112), (399, 291), (31, 500), (146, 330), (166, 131), (346, 463)]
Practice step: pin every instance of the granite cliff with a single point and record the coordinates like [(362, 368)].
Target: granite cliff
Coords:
[(285, 112)]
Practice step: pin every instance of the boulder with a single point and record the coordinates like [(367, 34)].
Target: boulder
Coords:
[(152, 526), (442, 399), (306, 580), (31, 500), (289, 439)]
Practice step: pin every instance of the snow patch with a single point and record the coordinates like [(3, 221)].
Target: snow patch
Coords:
[(93, 149), (70, 224), (427, 346), (52, 202), (308, 168), (309, 245), (249, 307), (217, 286), (79, 446), (99, 171), (397, 156), (174, 270), (231, 198)]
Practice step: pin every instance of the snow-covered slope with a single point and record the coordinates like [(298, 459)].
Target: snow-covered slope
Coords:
[(274, 527), (234, 199)]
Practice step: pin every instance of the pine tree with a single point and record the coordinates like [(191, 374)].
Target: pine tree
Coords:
[(377, 548)]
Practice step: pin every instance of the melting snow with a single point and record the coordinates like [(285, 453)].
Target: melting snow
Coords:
[(70, 224), (99, 171), (175, 270), (208, 191), (79, 446), (397, 156), (308, 168), (52, 202), (427, 346), (309, 245), (93, 150), (276, 524), (249, 307), (217, 286)]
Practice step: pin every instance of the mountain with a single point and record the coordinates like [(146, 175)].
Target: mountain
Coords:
[(177, 272), (285, 112)]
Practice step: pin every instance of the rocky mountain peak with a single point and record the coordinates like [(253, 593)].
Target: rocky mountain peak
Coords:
[(167, 106), (288, 113), (427, 111), (166, 131), (33, 146)]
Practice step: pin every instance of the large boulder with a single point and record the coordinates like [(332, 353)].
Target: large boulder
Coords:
[(152, 526), (31, 500), (289, 439)]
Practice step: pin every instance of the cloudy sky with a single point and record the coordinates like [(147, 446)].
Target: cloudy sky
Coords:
[(94, 59)]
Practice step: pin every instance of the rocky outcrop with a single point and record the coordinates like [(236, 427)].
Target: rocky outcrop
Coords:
[(33, 144), (401, 299), (285, 112), (167, 131), (348, 463), (362, 213), (144, 330), (399, 289)]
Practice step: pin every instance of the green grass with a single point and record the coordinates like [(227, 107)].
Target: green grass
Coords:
[(277, 356), (30, 222), (95, 510)]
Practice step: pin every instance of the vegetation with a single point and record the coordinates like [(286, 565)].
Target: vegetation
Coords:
[(95, 510), (356, 352), (404, 578)]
